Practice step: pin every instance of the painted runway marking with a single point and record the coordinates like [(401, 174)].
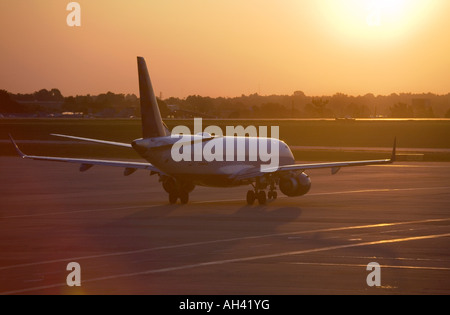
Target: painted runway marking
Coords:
[(377, 190), (364, 266), (145, 250), (235, 260), (77, 211), (411, 166), (338, 193), (394, 258)]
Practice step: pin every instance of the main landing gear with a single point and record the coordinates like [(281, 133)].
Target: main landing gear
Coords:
[(177, 190), (175, 195), (259, 194)]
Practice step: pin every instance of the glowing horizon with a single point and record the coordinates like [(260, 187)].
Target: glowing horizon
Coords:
[(230, 48)]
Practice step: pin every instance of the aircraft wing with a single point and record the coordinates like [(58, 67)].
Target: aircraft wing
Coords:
[(334, 166), (130, 167)]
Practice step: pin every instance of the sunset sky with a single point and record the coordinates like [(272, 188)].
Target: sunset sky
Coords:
[(228, 48)]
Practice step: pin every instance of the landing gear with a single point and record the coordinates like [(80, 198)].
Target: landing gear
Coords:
[(272, 195), (259, 194), (173, 197), (262, 197), (182, 195), (177, 189), (272, 192), (251, 197)]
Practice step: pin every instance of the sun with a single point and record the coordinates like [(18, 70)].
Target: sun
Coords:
[(367, 20), (382, 12)]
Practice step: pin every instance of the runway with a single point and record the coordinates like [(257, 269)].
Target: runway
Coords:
[(129, 240)]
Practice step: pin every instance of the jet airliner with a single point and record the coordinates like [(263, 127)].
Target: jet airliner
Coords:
[(179, 178)]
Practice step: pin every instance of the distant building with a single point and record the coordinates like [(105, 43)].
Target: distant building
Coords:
[(172, 108)]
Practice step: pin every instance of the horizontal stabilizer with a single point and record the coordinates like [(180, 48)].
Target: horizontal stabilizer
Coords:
[(86, 164), (117, 144)]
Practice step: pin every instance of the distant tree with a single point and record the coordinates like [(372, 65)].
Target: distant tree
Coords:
[(339, 102), (319, 105), (234, 114), (447, 114), (8, 105), (106, 103), (131, 98), (200, 104), (318, 108), (357, 111), (244, 106), (23, 97), (174, 101), (43, 95), (299, 94), (401, 110), (56, 95), (163, 108), (69, 104), (78, 104), (270, 110), (422, 110)]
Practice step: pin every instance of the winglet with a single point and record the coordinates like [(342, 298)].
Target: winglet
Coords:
[(394, 151), (22, 155)]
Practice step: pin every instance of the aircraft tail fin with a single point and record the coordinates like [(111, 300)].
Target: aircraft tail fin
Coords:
[(152, 124)]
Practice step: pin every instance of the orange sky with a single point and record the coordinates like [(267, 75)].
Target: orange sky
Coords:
[(228, 48)]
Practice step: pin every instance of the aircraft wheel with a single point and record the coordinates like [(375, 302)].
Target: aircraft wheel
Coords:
[(262, 197), (184, 197), (251, 197), (274, 195), (173, 197)]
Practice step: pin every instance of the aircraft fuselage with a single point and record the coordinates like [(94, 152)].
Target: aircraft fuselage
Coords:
[(212, 161)]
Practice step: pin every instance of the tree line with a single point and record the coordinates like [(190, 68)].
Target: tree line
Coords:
[(298, 105)]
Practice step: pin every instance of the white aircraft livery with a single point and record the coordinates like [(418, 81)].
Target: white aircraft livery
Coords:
[(174, 158)]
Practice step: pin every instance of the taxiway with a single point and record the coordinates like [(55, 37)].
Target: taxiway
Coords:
[(129, 240)]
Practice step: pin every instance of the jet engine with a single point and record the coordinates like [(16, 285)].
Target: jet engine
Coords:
[(295, 185)]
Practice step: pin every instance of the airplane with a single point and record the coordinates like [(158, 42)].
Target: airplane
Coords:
[(179, 178)]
